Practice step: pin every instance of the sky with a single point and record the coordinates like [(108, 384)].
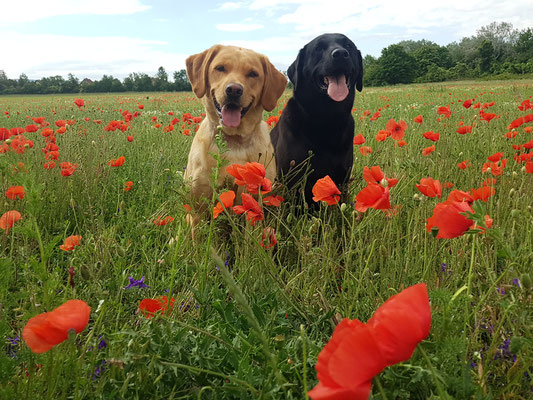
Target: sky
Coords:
[(90, 38)]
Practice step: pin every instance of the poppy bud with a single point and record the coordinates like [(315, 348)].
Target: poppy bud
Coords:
[(525, 279), (489, 170), (523, 169), (93, 143), (460, 154), (417, 197), (515, 174), (313, 229), (289, 218), (384, 182), (512, 192), (26, 145), (8, 141), (72, 203), (292, 163), (343, 207)]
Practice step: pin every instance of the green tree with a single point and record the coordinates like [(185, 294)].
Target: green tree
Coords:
[(524, 45), (486, 55), (161, 80), (396, 65), (181, 81)]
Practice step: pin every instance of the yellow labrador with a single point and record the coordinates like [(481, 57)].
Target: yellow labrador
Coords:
[(235, 86)]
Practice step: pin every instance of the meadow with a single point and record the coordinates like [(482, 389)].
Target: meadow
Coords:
[(242, 320)]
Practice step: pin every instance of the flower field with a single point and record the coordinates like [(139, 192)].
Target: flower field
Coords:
[(415, 285)]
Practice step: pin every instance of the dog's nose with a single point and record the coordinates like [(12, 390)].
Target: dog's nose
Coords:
[(339, 53), (234, 90)]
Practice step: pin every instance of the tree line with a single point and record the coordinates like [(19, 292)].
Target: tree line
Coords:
[(134, 82), (496, 51)]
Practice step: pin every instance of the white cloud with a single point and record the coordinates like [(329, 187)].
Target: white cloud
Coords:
[(92, 57), (14, 12), (230, 5), (239, 27), (318, 16)]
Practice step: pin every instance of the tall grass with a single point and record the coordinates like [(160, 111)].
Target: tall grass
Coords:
[(249, 322)]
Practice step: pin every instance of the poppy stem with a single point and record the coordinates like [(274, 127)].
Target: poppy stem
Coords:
[(304, 361), (380, 388)]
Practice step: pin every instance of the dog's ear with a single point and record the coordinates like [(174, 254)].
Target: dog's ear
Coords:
[(275, 84), (197, 68), (359, 80), (295, 69)]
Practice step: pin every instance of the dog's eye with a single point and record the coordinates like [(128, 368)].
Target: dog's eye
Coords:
[(220, 68), (252, 74)]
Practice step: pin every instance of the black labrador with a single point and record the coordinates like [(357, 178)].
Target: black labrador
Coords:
[(318, 120)]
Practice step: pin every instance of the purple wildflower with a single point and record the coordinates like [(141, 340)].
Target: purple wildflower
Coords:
[(98, 370), (12, 346), (500, 291), (443, 268), (133, 283), (102, 343), (516, 282)]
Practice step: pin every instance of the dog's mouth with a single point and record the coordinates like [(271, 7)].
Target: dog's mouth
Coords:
[(336, 86), (231, 113)]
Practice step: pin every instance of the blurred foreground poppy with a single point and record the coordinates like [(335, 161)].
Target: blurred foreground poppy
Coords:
[(48, 329)]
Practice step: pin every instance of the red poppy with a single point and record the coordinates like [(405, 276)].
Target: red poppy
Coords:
[(68, 168), (268, 238), (326, 190), (274, 201), (449, 221), (376, 175), (430, 187), (251, 207), (251, 174), (187, 208), (464, 164), (71, 242), (357, 352), (401, 143), (495, 157), (149, 307), (401, 323), (397, 129), (79, 102), (433, 136), (163, 221), (372, 196), (47, 132), (487, 116), (358, 139), (483, 193), (467, 103), (444, 111), (141, 106), (8, 219), (492, 167), (31, 128), (128, 186), (15, 192), (48, 329), (525, 105), (428, 150), (488, 224), (418, 119), (365, 150), (382, 135), (226, 201), (49, 165), (529, 167), (118, 162), (60, 123)]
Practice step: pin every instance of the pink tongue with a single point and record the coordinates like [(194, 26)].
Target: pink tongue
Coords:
[(337, 88), (231, 116)]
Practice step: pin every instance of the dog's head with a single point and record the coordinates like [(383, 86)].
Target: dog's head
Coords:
[(237, 84), (331, 65)]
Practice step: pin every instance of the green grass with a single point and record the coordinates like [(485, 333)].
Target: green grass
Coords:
[(254, 330)]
